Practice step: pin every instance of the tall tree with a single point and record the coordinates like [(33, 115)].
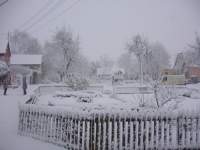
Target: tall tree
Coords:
[(196, 50), (138, 45), (152, 57), (23, 43), (62, 56)]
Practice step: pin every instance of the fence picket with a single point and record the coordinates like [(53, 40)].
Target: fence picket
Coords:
[(88, 135), (136, 134), (109, 134), (131, 135), (193, 121), (83, 135), (152, 133), (99, 133), (115, 135), (198, 131), (126, 134), (157, 135), (120, 134), (167, 143), (162, 133), (147, 134)]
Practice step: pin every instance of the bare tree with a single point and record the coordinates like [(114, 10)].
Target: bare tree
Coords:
[(196, 50), (62, 56), (139, 46), (23, 43)]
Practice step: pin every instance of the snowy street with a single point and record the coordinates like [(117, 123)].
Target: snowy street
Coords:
[(9, 140)]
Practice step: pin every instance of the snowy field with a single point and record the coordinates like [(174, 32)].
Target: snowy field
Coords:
[(9, 140)]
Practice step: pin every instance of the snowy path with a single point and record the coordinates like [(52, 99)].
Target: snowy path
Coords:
[(9, 140)]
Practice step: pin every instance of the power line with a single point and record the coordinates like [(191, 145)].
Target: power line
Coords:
[(55, 6), (47, 4), (1, 4), (61, 13)]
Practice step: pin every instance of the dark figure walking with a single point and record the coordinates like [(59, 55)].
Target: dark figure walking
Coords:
[(24, 85), (5, 87)]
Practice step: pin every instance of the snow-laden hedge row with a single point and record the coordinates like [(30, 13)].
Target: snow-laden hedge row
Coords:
[(110, 131)]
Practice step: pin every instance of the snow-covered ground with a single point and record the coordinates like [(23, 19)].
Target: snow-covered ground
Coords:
[(185, 103), (9, 140)]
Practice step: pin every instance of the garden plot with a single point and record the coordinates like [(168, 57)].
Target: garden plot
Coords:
[(174, 98), (86, 101)]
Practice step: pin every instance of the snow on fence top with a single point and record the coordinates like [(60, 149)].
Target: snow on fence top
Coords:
[(146, 115)]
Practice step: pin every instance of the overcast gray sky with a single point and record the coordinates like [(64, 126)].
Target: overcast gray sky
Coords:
[(104, 26)]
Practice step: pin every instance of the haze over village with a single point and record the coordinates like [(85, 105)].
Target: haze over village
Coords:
[(99, 74)]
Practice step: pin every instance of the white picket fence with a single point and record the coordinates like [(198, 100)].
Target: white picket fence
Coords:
[(110, 131)]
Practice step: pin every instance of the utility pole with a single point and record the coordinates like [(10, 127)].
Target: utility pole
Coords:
[(1, 4)]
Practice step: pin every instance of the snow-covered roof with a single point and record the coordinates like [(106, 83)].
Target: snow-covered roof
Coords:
[(26, 59)]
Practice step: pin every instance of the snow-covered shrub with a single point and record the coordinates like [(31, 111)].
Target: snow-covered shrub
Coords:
[(85, 99), (77, 83), (166, 93), (187, 94), (4, 70)]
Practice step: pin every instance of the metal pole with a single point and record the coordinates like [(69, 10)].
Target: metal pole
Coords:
[(142, 80)]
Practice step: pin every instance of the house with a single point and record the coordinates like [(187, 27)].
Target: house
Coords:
[(5, 55), (192, 74), (22, 64), (5, 58), (29, 65)]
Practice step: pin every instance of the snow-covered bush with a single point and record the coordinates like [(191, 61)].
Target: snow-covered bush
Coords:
[(166, 93), (77, 83), (4, 70), (85, 99)]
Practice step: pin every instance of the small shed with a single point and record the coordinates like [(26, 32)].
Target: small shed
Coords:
[(173, 80)]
